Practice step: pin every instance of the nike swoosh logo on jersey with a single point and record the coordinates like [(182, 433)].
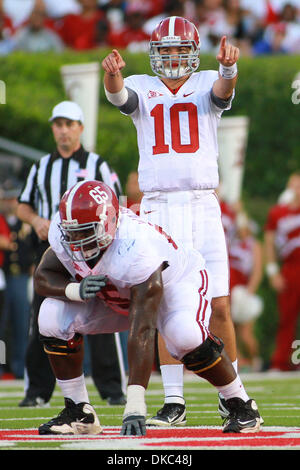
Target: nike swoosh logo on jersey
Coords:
[(188, 94), (148, 212)]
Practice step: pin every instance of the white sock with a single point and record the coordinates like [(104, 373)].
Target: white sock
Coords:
[(74, 389), (234, 389), (172, 377), (235, 366)]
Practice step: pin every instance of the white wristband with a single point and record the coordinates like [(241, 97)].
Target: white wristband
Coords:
[(135, 401), (119, 98), (72, 292), (272, 269), (228, 72)]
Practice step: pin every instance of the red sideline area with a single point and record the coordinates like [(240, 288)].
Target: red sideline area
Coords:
[(176, 438)]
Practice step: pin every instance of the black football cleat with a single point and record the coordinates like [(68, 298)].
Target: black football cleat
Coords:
[(73, 419), (171, 414), (224, 411), (243, 416)]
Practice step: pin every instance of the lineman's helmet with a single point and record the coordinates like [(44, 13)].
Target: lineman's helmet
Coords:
[(89, 214)]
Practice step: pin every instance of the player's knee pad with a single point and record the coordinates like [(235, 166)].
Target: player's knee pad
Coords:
[(61, 347), (206, 356)]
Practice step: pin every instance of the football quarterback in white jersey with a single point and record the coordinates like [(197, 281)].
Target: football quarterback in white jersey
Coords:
[(108, 270), (176, 113)]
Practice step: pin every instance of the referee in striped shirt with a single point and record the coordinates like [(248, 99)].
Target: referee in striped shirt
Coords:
[(47, 181)]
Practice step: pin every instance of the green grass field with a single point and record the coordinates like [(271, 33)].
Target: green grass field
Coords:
[(277, 396)]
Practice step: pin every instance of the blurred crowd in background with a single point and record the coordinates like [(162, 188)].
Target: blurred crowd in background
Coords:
[(257, 27)]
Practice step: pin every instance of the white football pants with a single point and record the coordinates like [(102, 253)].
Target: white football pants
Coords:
[(183, 315), (193, 218)]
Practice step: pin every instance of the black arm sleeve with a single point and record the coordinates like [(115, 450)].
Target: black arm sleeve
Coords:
[(219, 102), (131, 104)]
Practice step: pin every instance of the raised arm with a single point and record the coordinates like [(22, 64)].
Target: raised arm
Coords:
[(112, 66), (116, 92), (227, 58)]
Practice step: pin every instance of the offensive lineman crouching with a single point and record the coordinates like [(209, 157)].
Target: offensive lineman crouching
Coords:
[(107, 270)]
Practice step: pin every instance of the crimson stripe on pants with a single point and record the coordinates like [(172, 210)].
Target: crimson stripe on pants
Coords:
[(203, 303)]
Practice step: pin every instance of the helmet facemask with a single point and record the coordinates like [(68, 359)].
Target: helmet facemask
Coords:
[(173, 65), (93, 241), (89, 245)]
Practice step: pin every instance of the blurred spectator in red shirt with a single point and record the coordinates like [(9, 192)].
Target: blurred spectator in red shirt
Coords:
[(156, 7), (7, 24), (18, 15), (5, 244), (5, 241), (6, 32), (282, 248), (132, 36), (81, 31)]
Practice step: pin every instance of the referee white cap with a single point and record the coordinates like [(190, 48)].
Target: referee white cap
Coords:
[(68, 110)]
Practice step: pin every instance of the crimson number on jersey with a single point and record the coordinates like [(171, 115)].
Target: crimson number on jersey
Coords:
[(159, 128)]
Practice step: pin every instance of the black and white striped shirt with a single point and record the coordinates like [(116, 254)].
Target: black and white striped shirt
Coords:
[(52, 175)]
